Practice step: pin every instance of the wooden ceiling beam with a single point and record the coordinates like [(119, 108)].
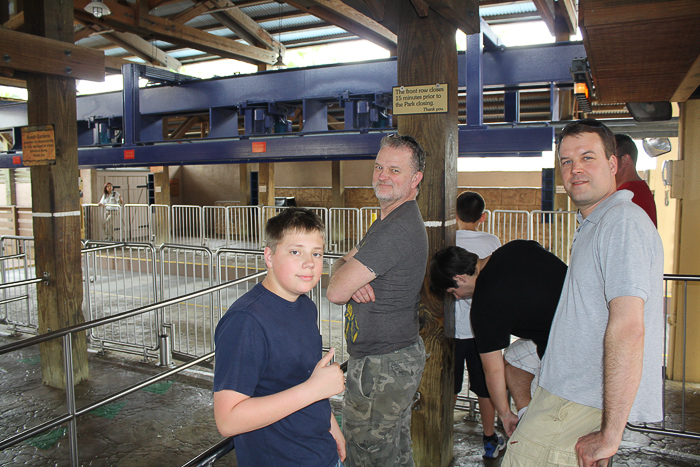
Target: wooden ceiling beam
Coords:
[(345, 17), (689, 83), (546, 10), (143, 49), (16, 22), (127, 19), (570, 13), (463, 14), (245, 27), (376, 9), (35, 54), (113, 65), (199, 8)]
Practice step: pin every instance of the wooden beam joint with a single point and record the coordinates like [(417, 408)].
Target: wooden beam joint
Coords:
[(35, 54)]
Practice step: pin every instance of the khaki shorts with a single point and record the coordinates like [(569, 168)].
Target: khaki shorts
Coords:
[(548, 432)]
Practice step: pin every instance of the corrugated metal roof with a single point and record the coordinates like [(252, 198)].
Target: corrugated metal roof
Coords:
[(508, 9), (294, 28)]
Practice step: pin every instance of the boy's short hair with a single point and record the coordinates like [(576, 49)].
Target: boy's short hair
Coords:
[(470, 206), (292, 220), (448, 263)]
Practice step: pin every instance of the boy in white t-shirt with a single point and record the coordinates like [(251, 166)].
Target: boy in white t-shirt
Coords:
[(470, 216)]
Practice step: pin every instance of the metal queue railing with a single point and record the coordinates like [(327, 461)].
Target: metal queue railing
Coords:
[(17, 259), (72, 413), (243, 226), (669, 427)]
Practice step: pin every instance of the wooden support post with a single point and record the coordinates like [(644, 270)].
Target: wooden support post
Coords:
[(55, 199), (687, 260), (427, 56), (161, 185), (244, 184), (338, 185), (266, 184)]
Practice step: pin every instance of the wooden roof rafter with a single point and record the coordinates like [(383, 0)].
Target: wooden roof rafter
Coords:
[(131, 19)]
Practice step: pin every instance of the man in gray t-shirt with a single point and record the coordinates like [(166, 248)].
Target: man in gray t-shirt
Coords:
[(604, 359), (380, 281)]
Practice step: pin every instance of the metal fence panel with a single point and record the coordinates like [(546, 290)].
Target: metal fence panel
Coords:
[(159, 223), (186, 269), (367, 216), (343, 229), (118, 278), (510, 225), (215, 226), (102, 224), (232, 263), (554, 230), (187, 225), (137, 219), (20, 308), (244, 227)]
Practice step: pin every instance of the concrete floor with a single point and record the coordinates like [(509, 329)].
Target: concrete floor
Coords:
[(170, 423)]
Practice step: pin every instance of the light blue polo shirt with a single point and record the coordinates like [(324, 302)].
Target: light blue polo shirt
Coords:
[(616, 252)]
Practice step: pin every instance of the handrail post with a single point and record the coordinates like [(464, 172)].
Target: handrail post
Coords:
[(70, 398), (166, 354)]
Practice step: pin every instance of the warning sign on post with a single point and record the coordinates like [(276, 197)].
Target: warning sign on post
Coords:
[(431, 98), (38, 145)]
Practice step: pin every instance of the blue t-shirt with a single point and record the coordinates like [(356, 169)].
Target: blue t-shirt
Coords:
[(264, 345)]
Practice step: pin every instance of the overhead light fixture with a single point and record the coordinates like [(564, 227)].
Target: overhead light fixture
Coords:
[(583, 84), (583, 97), (656, 146), (98, 9), (279, 64)]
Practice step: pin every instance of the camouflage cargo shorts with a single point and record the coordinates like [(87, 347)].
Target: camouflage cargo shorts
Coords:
[(377, 408)]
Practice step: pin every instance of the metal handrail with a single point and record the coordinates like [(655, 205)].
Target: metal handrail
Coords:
[(213, 454), (663, 430), (9, 285), (18, 255)]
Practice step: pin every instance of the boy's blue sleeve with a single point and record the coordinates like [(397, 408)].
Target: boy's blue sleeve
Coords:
[(241, 353)]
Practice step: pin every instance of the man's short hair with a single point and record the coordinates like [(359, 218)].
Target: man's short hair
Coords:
[(590, 125), (292, 220), (624, 144), (448, 263), (398, 141), (470, 206)]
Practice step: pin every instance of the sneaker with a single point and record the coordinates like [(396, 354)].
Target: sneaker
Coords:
[(491, 448)]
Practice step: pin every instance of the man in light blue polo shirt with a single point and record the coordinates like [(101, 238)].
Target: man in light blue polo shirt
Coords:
[(604, 360)]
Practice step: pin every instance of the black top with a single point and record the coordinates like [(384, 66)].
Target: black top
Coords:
[(516, 293)]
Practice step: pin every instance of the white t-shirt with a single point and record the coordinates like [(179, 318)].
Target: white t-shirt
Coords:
[(481, 244), (111, 201)]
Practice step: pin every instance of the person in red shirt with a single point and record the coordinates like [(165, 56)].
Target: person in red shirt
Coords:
[(627, 177)]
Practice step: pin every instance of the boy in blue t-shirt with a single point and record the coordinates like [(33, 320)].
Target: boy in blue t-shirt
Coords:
[(271, 386)]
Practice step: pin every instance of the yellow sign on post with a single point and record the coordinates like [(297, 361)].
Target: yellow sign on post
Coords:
[(431, 98), (38, 145)]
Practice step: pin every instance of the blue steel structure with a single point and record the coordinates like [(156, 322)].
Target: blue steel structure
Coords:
[(126, 129)]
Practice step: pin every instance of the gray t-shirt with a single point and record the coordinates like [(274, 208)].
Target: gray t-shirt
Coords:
[(616, 252), (396, 250)]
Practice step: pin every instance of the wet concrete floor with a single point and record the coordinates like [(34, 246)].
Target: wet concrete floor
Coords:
[(169, 423)]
